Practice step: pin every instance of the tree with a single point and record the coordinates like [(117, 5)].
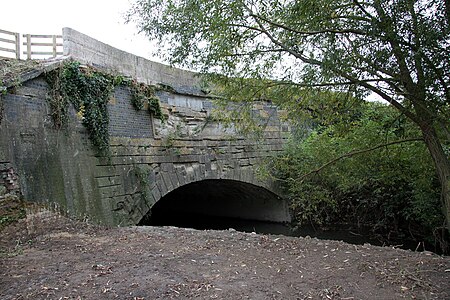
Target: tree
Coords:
[(396, 49), (389, 189)]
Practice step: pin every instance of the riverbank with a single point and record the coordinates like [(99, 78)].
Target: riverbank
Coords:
[(47, 256)]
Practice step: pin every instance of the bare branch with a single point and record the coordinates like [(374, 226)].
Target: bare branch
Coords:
[(253, 52), (328, 30), (360, 6), (332, 84)]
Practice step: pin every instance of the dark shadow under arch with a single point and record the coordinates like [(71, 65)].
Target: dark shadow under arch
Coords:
[(208, 204)]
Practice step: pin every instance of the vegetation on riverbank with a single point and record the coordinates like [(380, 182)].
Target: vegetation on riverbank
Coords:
[(336, 175)]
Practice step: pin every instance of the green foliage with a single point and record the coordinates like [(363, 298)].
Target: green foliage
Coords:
[(393, 189), (141, 95), (298, 52), (169, 142), (89, 92), (59, 104)]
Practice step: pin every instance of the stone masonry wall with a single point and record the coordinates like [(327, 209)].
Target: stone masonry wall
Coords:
[(53, 166), (9, 181), (187, 148), (148, 158)]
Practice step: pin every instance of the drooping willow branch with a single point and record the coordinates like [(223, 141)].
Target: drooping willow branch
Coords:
[(356, 152)]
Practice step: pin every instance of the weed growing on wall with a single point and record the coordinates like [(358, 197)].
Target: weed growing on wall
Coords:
[(142, 175), (89, 91), (58, 103), (142, 94)]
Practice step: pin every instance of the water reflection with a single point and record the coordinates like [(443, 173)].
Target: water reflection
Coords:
[(202, 222)]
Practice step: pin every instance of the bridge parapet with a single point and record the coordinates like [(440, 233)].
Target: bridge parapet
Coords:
[(90, 51)]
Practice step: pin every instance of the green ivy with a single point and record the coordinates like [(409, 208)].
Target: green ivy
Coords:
[(142, 94), (89, 91), (58, 103)]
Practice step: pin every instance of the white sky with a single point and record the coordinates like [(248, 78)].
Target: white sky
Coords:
[(100, 19)]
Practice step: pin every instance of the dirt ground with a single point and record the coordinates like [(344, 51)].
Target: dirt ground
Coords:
[(46, 256)]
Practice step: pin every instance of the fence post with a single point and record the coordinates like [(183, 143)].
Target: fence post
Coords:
[(28, 46), (17, 45), (54, 45)]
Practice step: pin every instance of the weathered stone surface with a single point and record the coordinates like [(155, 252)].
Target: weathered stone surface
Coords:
[(149, 159), (101, 55)]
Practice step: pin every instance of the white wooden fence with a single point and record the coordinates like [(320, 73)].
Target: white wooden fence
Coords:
[(34, 46), (9, 43)]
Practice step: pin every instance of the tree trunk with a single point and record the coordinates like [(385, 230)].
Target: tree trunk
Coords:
[(442, 164)]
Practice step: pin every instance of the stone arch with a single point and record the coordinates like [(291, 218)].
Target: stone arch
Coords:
[(237, 193), (254, 199)]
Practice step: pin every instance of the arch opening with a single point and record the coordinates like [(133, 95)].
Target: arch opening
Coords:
[(220, 204)]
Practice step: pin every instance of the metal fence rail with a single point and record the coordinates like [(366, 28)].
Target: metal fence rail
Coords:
[(35, 46)]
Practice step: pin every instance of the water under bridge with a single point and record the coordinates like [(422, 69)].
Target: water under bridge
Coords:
[(187, 165)]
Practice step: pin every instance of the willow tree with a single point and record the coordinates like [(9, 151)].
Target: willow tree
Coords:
[(398, 50)]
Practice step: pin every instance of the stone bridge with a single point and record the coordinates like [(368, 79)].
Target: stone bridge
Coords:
[(190, 163)]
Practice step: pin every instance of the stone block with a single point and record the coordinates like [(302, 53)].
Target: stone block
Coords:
[(161, 186), (174, 179), (202, 170), (111, 191), (156, 193), (108, 181), (208, 166), (168, 181), (181, 179)]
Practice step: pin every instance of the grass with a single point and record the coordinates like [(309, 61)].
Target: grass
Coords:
[(10, 69)]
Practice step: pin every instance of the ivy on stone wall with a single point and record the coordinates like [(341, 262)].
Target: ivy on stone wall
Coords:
[(142, 94), (142, 175), (57, 101), (89, 91)]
